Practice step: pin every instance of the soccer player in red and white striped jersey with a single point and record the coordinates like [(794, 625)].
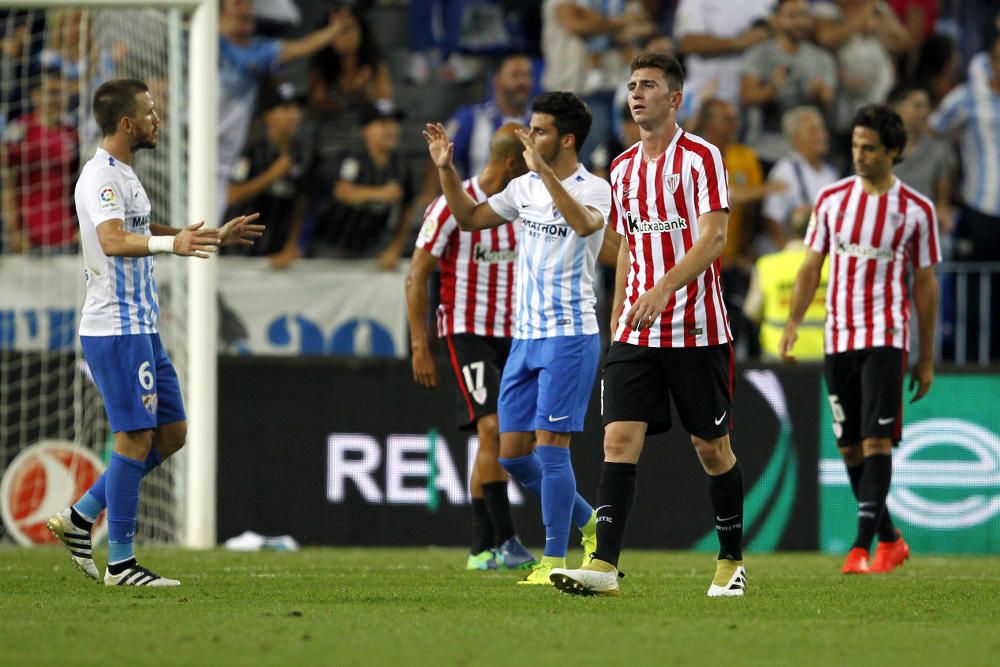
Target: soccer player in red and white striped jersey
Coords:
[(671, 337), (475, 321), (875, 229)]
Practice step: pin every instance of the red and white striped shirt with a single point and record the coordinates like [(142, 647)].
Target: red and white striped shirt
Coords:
[(656, 208), (477, 270), (870, 241)]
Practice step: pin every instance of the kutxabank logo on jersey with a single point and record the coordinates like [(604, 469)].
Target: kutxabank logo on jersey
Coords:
[(845, 247), (636, 225), (43, 479)]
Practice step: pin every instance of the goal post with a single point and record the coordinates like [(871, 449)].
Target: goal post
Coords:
[(188, 170)]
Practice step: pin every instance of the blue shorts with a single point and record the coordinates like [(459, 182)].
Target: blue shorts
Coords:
[(547, 383), (136, 380)]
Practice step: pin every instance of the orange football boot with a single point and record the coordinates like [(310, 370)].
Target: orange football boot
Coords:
[(890, 555), (856, 562)]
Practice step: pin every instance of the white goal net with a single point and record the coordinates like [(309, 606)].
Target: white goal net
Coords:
[(53, 60)]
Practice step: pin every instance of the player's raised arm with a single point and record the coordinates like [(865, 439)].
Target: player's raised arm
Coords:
[(806, 282), (585, 220), (469, 215)]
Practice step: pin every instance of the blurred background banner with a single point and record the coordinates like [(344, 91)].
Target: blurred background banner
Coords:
[(314, 308), (945, 494), (345, 442)]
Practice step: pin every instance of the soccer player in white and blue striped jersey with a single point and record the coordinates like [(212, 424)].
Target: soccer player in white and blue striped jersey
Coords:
[(118, 327), (550, 373)]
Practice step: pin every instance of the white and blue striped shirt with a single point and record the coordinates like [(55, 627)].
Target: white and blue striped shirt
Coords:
[(974, 110), (121, 291), (554, 291), (471, 130)]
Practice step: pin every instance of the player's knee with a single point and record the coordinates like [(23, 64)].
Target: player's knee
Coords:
[(873, 446), (488, 430), (620, 446), (171, 438), (713, 454), (852, 455)]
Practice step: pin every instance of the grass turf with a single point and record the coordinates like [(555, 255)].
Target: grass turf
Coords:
[(420, 607)]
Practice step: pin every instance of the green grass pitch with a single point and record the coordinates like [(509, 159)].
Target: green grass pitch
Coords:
[(420, 607)]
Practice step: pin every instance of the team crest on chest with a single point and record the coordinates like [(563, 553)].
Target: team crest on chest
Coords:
[(671, 182), (896, 219)]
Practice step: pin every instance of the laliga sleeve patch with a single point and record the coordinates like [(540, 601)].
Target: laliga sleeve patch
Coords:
[(349, 169), (107, 198), (427, 231)]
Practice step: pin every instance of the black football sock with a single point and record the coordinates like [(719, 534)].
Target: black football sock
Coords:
[(614, 503), (726, 491), (872, 491), (886, 529), (482, 529), (498, 506)]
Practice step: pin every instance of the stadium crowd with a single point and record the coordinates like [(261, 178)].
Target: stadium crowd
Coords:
[(321, 105)]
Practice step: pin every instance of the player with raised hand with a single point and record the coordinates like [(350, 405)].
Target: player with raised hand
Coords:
[(475, 320), (671, 334), (550, 373), (118, 327), (872, 225)]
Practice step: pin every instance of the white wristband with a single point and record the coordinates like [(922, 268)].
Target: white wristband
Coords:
[(160, 244)]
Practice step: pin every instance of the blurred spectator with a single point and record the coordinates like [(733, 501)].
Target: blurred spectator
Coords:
[(712, 35), (937, 68), (719, 124), (926, 164), (435, 27), (782, 73), (348, 74), (770, 296), (803, 170), (244, 60), (918, 17), (372, 193), (21, 34), (972, 111), (472, 126), (268, 177), (864, 35), (587, 46), (40, 159)]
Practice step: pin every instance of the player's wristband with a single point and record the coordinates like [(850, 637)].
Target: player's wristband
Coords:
[(159, 245)]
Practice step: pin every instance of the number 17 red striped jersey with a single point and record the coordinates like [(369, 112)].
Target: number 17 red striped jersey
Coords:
[(477, 270), (656, 208), (870, 240)]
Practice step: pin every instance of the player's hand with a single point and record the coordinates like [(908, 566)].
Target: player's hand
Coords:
[(439, 145), (424, 369), (392, 192), (532, 157), (283, 258), (388, 258), (921, 379), (787, 343), (648, 307), (241, 230), (196, 241)]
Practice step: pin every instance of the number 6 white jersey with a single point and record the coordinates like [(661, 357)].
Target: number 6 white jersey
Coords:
[(121, 292)]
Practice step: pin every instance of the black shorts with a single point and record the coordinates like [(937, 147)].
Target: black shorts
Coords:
[(865, 390), (639, 382), (477, 362)]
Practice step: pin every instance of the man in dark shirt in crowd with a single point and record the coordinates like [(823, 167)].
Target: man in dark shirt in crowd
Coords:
[(269, 176), (372, 195)]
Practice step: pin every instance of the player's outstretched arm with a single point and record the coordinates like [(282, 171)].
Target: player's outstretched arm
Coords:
[(192, 241), (417, 299), (925, 298), (585, 220), (806, 283), (469, 215)]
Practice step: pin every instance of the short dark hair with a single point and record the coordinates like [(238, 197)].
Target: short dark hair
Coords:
[(886, 123), (901, 93), (114, 99), (669, 65), (570, 114)]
